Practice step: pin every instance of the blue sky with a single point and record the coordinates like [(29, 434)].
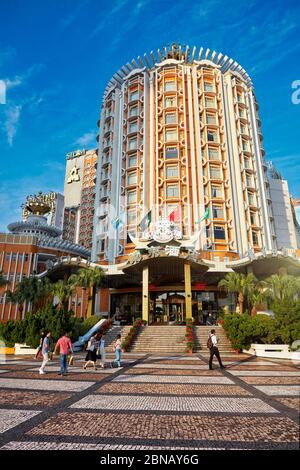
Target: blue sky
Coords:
[(56, 57)]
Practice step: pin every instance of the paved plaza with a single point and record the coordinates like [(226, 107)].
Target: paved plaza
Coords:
[(151, 402)]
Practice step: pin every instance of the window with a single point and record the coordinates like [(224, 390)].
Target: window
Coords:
[(255, 238), (209, 102), (243, 130), (7, 256), (14, 256), (170, 118), (170, 135), (172, 190), (132, 178), (133, 127), (212, 136), (253, 218), (131, 217), (131, 197), (218, 212), (213, 154), (102, 245), (170, 102), (251, 199), (249, 181), (208, 86), (245, 145), (132, 161), (241, 113), (133, 111), (219, 232), (134, 95), (171, 152), (170, 86), (216, 191), (239, 98), (215, 172), (172, 171), (210, 118), (132, 144), (247, 163)]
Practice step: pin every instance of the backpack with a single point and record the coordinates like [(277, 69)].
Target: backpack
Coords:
[(209, 343)]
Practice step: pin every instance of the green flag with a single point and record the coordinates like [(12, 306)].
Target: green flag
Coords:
[(205, 216), (146, 220)]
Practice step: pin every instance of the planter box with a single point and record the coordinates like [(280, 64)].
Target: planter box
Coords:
[(24, 349), (279, 351)]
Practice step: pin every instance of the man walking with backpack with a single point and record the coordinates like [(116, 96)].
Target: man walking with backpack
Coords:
[(212, 344)]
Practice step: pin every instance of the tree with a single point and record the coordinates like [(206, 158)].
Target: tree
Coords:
[(281, 288), (62, 290), (32, 290), (240, 285), (88, 279), (256, 298)]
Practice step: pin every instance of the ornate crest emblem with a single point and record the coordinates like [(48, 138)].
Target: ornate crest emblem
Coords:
[(164, 231)]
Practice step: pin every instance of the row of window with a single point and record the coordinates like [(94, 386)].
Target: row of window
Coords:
[(14, 256)]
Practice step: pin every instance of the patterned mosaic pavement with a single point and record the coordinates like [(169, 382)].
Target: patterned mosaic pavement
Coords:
[(151, 402)]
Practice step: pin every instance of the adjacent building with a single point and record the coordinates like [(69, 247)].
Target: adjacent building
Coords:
[(79, 192), (33, 247)]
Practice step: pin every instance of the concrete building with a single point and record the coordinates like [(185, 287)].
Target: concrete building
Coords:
[(79, 196), (182, 194), (282, 210), (31, 248)]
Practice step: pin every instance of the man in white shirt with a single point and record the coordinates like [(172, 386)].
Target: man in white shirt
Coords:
[(214, 351)]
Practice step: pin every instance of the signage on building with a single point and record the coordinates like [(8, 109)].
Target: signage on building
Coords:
[(73, 175), (76, 153), (47, 199), (164, 231)]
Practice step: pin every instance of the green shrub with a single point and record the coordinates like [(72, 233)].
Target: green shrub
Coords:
[(287, 320), (242, 330)]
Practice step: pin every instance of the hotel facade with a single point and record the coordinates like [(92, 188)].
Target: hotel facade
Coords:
[(182, 192)]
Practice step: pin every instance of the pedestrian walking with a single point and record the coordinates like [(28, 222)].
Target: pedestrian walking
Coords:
[(45, 352), (102, 351), (91, 352), (117, 349), (65, 346), (212, 344), (38, 351)]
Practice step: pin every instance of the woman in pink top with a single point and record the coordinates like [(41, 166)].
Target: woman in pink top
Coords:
[(65, 346)]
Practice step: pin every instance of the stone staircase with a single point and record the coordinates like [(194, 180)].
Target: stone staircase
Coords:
[(201, 336), (160, 339), (112, 334)]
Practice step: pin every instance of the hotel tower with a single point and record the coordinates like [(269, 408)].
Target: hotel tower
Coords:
[(182, 194)]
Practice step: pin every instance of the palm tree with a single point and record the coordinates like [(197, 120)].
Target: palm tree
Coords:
[(256, 298), (281, 288), (88, 279), (62, 290), (32, 290), (240, 285)]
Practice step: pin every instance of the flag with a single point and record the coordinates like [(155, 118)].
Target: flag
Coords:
[(175, 215), (205, 216), (116, 222), (146, 220)]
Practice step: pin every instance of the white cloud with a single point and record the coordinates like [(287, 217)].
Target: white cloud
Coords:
[(12, 117), (86, 139)]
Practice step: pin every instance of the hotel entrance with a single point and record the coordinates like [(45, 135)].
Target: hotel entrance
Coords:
[(166, 308)]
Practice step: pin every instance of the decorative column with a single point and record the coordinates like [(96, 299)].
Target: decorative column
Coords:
[(145, 315), (188, 291)]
